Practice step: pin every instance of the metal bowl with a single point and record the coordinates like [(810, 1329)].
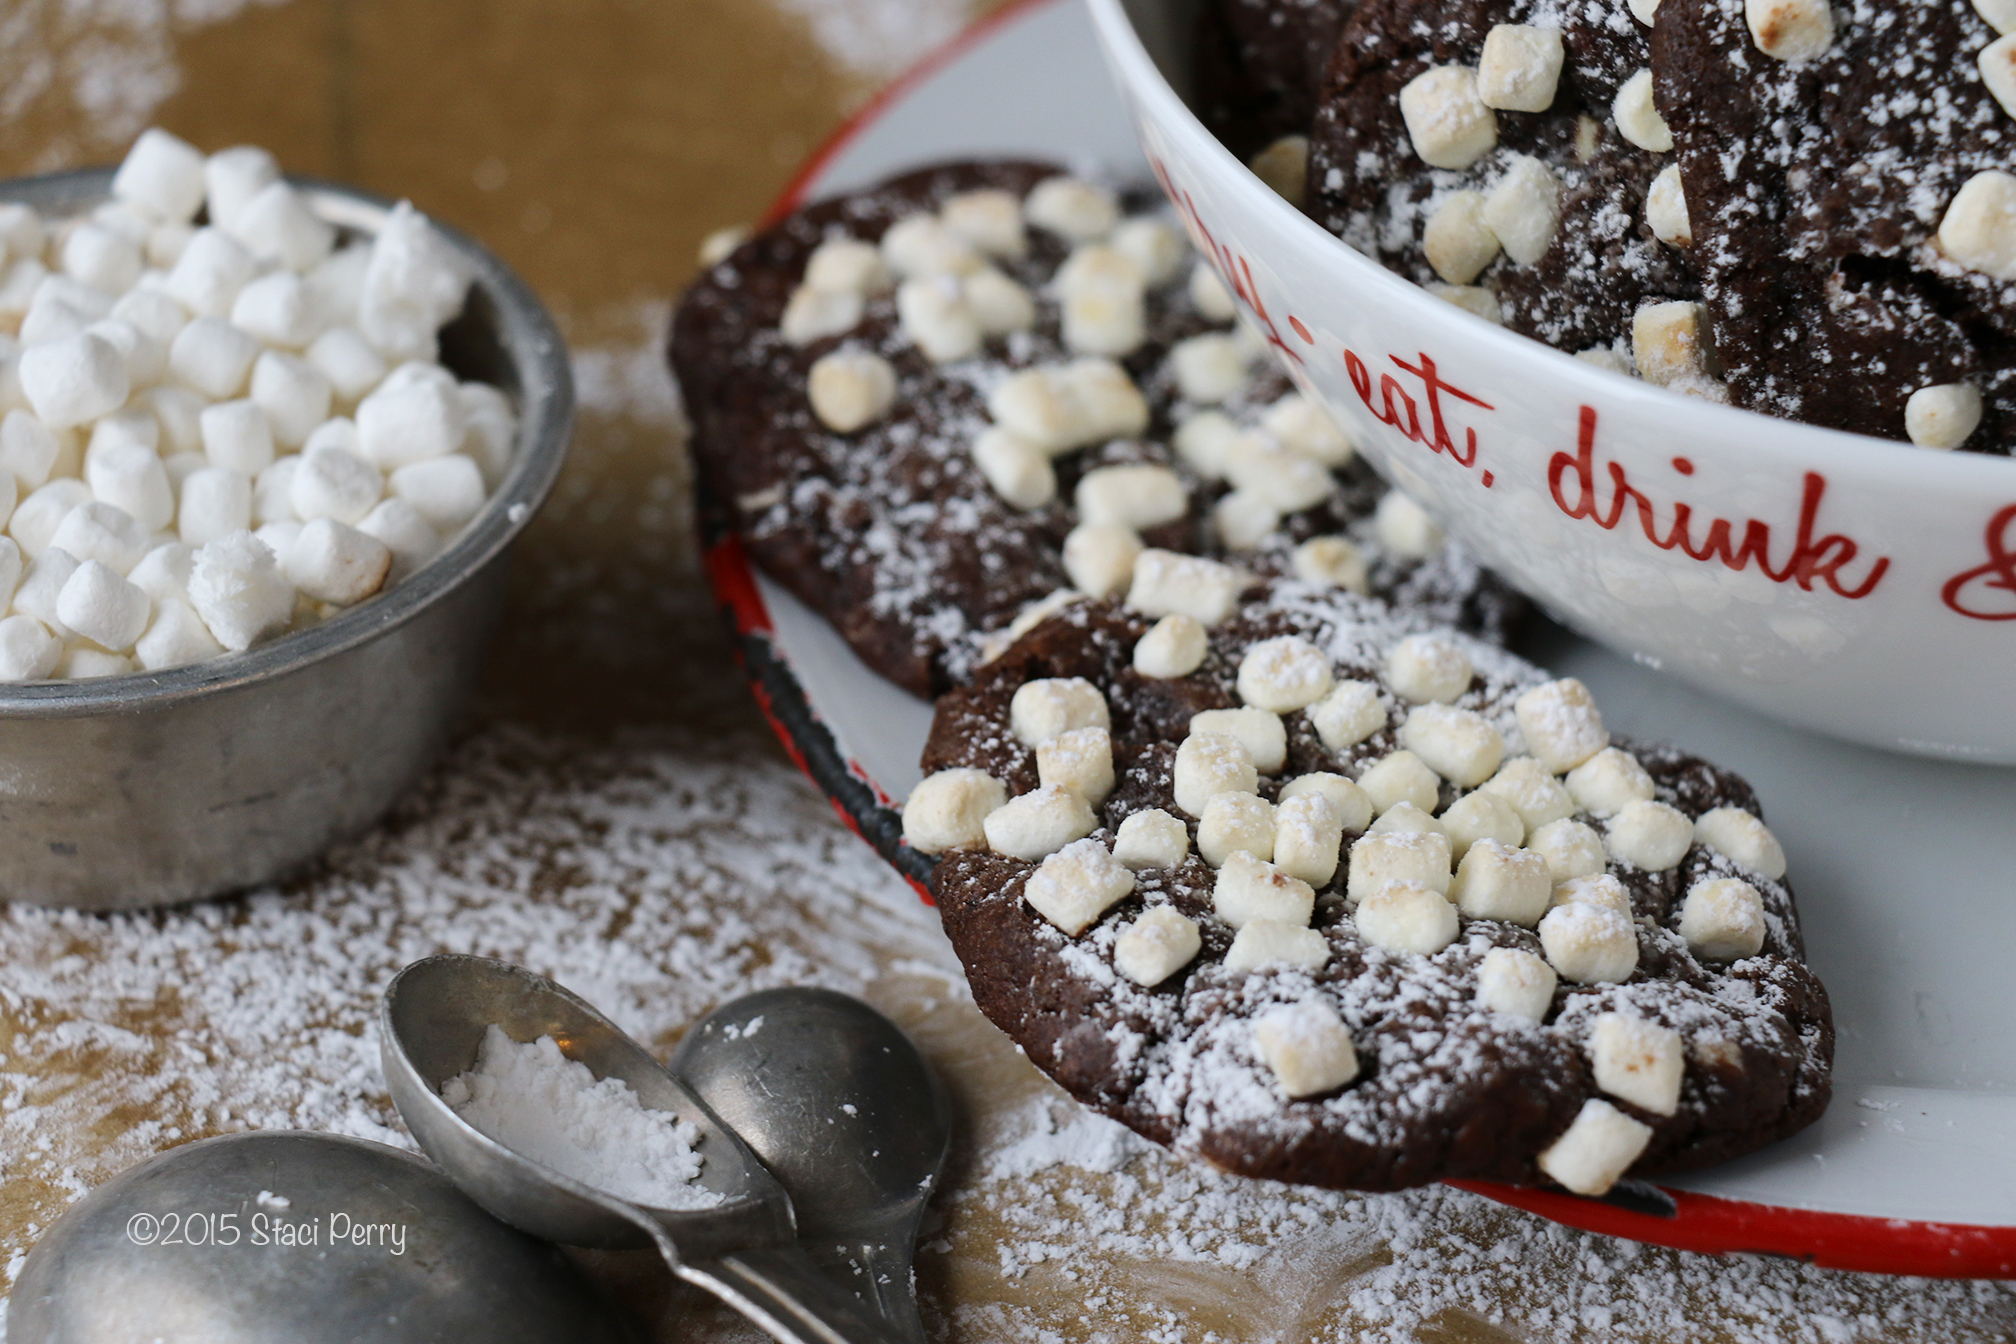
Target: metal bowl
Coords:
[(158, 787)]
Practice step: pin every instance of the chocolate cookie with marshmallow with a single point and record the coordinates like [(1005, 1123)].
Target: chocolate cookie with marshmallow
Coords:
[(934, 407), (1328, 894)]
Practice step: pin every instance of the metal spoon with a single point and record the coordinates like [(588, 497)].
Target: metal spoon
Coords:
[(293, 1238), (842, 1109), (434, 1017)]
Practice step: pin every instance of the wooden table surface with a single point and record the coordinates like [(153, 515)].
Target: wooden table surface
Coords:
[(617, 814)]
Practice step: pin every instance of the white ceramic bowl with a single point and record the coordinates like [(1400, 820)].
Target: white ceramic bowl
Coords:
[(1852, 585)]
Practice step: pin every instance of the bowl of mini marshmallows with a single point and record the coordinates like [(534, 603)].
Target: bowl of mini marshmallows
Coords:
[(264, 444)]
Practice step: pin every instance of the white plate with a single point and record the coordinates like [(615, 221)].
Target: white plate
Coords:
[(1905, 869)]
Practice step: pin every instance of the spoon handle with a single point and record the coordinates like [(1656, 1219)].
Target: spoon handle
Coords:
[(780, 1289), (880, 1272)]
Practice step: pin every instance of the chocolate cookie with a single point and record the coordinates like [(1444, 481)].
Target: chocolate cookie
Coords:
[(934, 405), (1260, 67), (1850, 198), (1324, 894)]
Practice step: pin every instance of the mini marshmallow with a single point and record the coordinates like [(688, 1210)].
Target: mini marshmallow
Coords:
[(277, 309), (294, 394), (999, 305), (335, 563), (179, 413), (232, 177), (74, 380), (1151, 839), (83, 663), (1156, 248), (847, 266), (412, 542), (1095, 267), (1061, 407), (1039, 823), (1457, 239), (1260, 732), (1284, 167), (1637, 118), (1570, 849), (276, 225), (103, 607), (1513, 981), (131, 477), (1997, 64), (934, 315), (920, 246), (21, 230), (1308, 838), (102, 532), (1307, 1047), (1208, 293), (1978, 230), (2000, 14), (273, 490), (1256, 462), (1076, 884), (1207, 368), (1250, 888), (1283, 674), (1607, 358), (212, 269), (1099, 559), (1428, 668), (1015, 469), (1080, 760), (100, 258), (1532, 791), (1666, 209), (990, 220), (1497, 882), (1649, 835), (176, 637), (1722, 919), (1589, 944), (1303, 426), (948, 810), (850, 389), (1268, 942), (1107, 319), (333, 482), (10, 570), (338, 283), (412, 285), (1401, 777), (1524, 209), (1173, 647), (1244, 520), (492, 433), (212, 357), (1790, 30), (1669, 341), (1167, 583), (237, 435), (28, 652), (417, 420), (1604, 783), (814, 314), (1738, 834), (153, 314), (1332, 562), (163, 572), (1408, 819), (1235, 823), (1460, 745), (1561, 724), (1640, 1062), (1351, 804), (1138, 495), (41, 587), (1156, 946), (1381, 859), (1208, 764), (37, 517), (1349, 714), (1601, 890), (1406, 918), (1596, 1150), (28, 449), (236, 586), (164, 245), (446, 491), (1520, 68), (1481, 816), (1942, 416), (347, 360), (1405, 528), (1052, 706), (163, 175), (1447, 122), (1072, 208)]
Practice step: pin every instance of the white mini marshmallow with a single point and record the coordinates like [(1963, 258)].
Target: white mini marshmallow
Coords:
[(1524, 209), (277, 309), (949, 810), (28, 449), (1064, 406), (847, 266), (1099, 559), (1080, 760), (1596, 1150), (1649, 835), (1303, 426), (1997, 63), (212, 269), (1235, 823), (1428, 668), (1016, 469), (335, 563), (1332, 562), (1052, 706), (1039, 823), (1151, 839), (232, 177), (131, 477), (412, 285), (97, 603), (1207, 368), (273, 488), (1072, 208), (850, 389), (333, 482), (1137, 495), (1105, 319), (1405, 528), (1076, 885), (216, 502), (1460, 745), (1638, 1061), (1448, 123), (1203, 440), (1401, 777), (1258, 463), (28, 652), (1457, 239), (1604, 783), (1589, 944), (347, 360), (1666, 209), (417, 420), (409, 537), (1244, 520), (338, 283), (212, 357), (1283, 674), (1790, 30), (933, 314), (492, 434), (163, 175), (1942, 416), (237, 435), (1669, 341), (179, 413), (1409, 819), (37, 517), (1261, 732), (815, 314), (446, 491), (999, 305), (175, 638), (1722, 919), (163, 572), (277, 226), (1308, 838), (1497, 882), (82, 663), (102, 532), (1167, 583), (1213, 301), (1383, 858), (1351, 804), (1408, 918), (1513, 981), (1481, 816), (920, 246), (1532, 791), (1307, 1047), (1250, 888), (1638, 119), (1978, 230), (1601, 889), (100, 258), (1570, 849), (1173, 647), (1561, 724), (11, 564), (1157, 248), (1741, 836), (236, 586), (1520, 68), (2000, 14), (1267, 942), (987, 219), (1208, 764), (74, 380), (294, 394), (41, 586), (1284, 167), (1156, 946), (1349, 714)]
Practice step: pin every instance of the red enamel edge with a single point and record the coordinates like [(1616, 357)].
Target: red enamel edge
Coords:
[(1704, 1223)]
